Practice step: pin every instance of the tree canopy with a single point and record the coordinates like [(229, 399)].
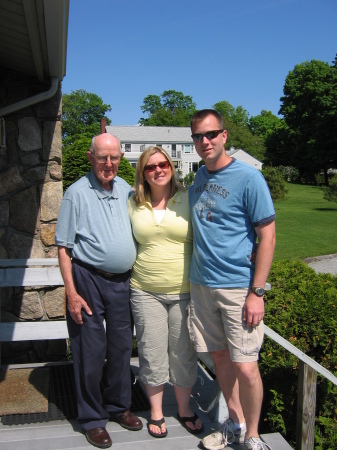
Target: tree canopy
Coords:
[(171, 108), (81, 115), (237, 115), (81, 120), (309, 107), (238, 133), (264, 124)]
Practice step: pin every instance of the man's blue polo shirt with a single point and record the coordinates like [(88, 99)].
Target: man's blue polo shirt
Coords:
[(95, 224)]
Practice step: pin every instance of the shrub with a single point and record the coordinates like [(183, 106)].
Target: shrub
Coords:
[(289, 173), (319, 179), (330, 192), (277, 185), (301, 307), (189, 179)]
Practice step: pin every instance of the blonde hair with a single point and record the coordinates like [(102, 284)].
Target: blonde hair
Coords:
[(142, 188)]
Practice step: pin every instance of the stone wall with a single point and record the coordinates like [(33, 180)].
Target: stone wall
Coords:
[(30, 197)]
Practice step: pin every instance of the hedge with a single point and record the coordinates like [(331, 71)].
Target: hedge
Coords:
[(301, 307)]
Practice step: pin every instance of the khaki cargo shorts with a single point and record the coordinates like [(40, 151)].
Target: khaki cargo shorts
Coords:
[(216, 323)]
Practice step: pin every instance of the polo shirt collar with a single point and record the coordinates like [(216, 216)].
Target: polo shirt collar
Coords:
[(100, 192)]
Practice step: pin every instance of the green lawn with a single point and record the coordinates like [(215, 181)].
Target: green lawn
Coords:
[(306, 224)]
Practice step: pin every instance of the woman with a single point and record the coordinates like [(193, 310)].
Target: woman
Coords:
[(160, 218)]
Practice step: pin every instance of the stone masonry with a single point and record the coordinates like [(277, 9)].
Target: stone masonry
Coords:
[(30, 198)]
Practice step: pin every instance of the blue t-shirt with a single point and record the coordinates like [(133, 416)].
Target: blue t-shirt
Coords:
[(95, 224), (225, 206)]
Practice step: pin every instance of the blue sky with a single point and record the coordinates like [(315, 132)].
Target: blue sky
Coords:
[(239, 51)]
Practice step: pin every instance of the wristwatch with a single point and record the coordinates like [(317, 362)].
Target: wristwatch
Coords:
[(259, 291)]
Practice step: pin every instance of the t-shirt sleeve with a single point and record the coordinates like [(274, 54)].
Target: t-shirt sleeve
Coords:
[(258, 201)]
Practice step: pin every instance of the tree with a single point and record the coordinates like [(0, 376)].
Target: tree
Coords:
[(264, 124), (75, 162), (279, 149), (309, 107), (236, 115), (172, 108), (238, 134), (81, 115)]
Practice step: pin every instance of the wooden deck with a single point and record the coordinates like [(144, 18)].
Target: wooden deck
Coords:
[(67, 435)]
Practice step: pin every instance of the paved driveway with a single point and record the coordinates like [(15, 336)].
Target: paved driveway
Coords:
[(323, 264)]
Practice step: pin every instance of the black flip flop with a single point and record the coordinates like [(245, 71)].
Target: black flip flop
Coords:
[(192, 419), (157, 423)]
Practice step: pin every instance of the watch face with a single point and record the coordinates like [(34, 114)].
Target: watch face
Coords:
[(259, 291)]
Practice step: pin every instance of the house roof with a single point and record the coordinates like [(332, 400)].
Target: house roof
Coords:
[(156, 135), (241, 155), (33, 37)]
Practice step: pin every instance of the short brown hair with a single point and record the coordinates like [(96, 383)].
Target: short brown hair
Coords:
[(202, 114), (142, 188)]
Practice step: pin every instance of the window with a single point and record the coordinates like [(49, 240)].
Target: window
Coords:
[(174, 151), (193, 167), (188, 148), (128, 147)]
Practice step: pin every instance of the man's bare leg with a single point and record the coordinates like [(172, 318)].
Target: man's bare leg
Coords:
[(251, 394), (242, 388), (228, 383)]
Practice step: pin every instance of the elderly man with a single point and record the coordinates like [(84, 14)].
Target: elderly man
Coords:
[(96, 253), (231, 206)]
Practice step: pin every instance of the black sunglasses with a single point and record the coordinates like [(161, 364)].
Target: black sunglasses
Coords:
[(152, 167), (198, 137)]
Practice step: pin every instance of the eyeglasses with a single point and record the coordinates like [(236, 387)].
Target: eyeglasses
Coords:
[(104, 158), (198, 137), (152, 167)]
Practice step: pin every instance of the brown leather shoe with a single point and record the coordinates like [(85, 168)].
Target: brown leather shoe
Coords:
[(98, 437), (129, 421)]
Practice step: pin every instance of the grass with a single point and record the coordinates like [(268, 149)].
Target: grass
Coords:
[(306, 224)]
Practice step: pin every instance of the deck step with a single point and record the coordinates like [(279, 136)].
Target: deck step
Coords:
[(276, 441), (66, 434)]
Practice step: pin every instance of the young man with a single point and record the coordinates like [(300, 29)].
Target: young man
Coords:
[(231, 207), (96, 253)]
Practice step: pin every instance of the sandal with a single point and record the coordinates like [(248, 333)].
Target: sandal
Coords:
[(157, 423), (192, 419)]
